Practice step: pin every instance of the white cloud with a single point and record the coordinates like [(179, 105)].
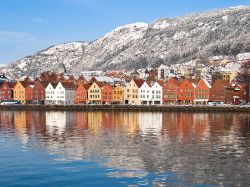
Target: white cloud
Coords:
[(15, 37)]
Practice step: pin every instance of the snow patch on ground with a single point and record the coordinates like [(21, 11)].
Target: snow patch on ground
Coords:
[(243, 56), (22, 64), (63, 47), (163, 24), (180, 35), (225, 18)]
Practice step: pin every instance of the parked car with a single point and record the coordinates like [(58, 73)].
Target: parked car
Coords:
[(10, 102)]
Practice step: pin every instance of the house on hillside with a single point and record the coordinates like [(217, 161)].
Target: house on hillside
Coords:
[(3, 78)]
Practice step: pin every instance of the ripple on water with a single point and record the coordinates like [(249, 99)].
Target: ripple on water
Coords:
[(124, 149)]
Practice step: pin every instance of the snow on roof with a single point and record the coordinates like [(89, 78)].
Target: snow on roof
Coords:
[(207, 83), (104, 79)]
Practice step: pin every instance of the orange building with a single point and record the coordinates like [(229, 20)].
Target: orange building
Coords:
[(23, 91), (106, 94), (82, 93)]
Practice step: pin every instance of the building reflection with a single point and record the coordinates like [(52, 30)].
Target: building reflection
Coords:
[(55, 122), (150, 123), (6, 119), (132, 142)]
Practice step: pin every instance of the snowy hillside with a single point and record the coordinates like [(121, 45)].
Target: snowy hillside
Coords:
[(223, 32)]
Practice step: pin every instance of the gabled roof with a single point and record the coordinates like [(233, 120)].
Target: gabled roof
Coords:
[(160, 82), (99, 84), (71, 78), (44, 83), (174, 81), (11, 84), (86, 86), (81, 78), (107, 86), (207, 83), (68, 85), (221, 82), (25, 84), (53, 84), (138, 82)]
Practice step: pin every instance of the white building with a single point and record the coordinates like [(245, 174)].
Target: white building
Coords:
[(156, 94), (92, 73), (110, 80), (50, 93), (65, 93), (163, 71), (145, 94)]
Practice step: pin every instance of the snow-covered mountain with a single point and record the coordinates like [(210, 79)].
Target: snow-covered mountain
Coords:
[(223, 32)]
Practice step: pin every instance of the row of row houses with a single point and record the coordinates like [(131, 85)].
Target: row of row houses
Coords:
[(136, 92), (184, 91)]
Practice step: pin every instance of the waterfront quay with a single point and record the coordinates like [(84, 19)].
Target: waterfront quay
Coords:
[(142, 108)]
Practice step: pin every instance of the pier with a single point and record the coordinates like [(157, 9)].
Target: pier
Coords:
[(139, 108)]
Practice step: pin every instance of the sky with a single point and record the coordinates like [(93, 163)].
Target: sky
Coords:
[(27, 26)]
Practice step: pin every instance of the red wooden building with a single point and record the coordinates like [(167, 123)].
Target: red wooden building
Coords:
[(221, 91), (201, 92), (170, 91), (106, 94), (82, 80), (82, 93), (39, 92), (29, 92), (185, 92), (240, 93), (6, 91)]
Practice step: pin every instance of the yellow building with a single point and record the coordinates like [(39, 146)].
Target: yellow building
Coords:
[(19, 92), (95, 93), (118, 94), (131, 95), (226, 75)]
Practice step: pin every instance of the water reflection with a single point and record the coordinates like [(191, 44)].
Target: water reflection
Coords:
[(170, 149)]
